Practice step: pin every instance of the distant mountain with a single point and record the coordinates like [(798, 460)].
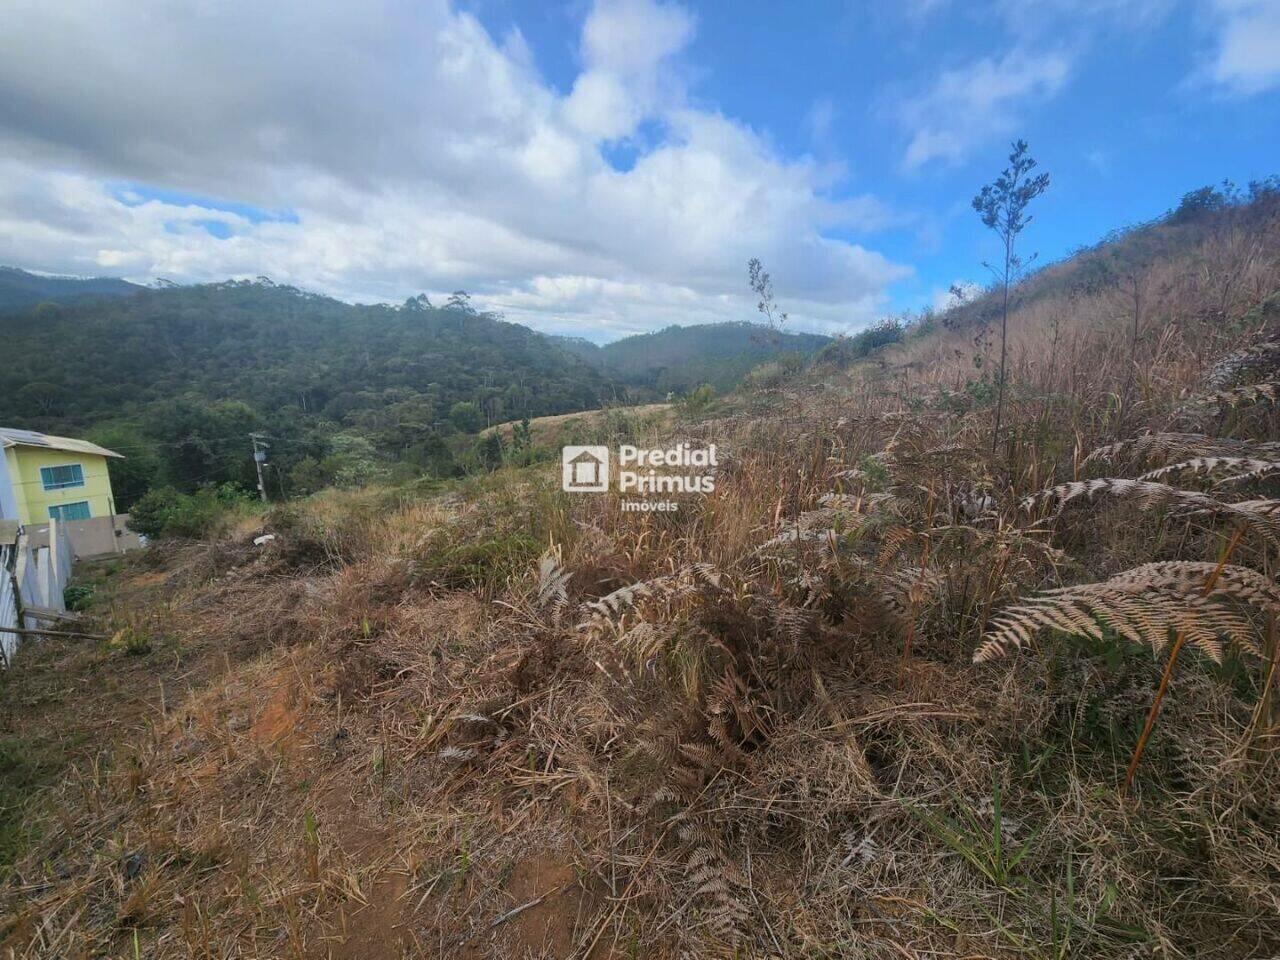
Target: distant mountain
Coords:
[(276, 348), (682, 358), (20, 289), (176, 378)]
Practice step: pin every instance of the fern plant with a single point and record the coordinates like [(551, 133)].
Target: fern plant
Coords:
[(1158, 446), (1237, 469), (1260, 516), (1148, 605), (1266, 392)]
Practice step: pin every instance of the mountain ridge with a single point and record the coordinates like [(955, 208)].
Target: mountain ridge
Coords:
[(21, 289)]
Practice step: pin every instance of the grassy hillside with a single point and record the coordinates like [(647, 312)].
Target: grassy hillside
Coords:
[(878, 695), (1213, 228), (20, 289)]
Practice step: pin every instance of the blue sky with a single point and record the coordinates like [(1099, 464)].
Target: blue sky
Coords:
[(606, 167), (1135, 122)]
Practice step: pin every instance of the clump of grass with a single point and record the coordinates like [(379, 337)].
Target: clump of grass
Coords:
[(132, 641)]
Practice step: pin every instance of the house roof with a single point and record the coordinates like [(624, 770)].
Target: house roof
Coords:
[(13, 437), (586, 456)]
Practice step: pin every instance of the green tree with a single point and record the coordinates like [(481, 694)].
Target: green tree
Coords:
[(489, 450), (698, 400), (307, 476), (1002, 206), (522, 435), (40, 398), (466, 416), (140, 466), (354, 462)]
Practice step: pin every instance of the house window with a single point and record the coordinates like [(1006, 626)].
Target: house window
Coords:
[(59, 478), (70, 511)]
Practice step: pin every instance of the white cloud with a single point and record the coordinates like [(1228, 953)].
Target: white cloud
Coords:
[(631, 37), (1246, 58), (971, 104), (627, 46), (416, 153)]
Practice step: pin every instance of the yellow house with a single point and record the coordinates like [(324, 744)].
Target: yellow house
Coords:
[(43, 477)]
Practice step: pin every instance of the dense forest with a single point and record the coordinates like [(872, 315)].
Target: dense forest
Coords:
[(679, 359), (177, 377)]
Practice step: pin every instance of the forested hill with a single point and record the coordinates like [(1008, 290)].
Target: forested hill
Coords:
[(280, 350), (19, 289), (681, 358), (176, 377)]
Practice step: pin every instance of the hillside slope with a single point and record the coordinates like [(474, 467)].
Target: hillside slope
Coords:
[(276, 347), (1212, 228), (175, 379), (891, 689)]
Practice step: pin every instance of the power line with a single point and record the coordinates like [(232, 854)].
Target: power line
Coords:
[(88, 476)]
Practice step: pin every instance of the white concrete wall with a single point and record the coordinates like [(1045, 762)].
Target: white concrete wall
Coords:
[(8, 501)]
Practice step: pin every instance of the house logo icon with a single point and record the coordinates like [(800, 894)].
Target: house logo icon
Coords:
[(584, 469)]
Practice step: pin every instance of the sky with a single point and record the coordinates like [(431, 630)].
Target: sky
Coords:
[(605, 167)]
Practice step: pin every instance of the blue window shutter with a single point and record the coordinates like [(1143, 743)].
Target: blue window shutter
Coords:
[(70, 511)]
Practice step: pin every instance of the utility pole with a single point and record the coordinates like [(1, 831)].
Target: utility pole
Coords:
[(259, 458)]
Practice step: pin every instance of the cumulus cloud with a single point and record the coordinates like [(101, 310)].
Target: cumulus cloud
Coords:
[(969, 105), (1246, 57), (411, 151), (626, 49)]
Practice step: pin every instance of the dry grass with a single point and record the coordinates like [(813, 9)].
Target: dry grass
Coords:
[(514, 723)]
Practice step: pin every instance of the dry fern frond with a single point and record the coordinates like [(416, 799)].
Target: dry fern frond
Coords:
[(893, 541), (1251, 476), (827, 541), (1266, 392), (908, 590), (1189, 576), (553, 583), (1147, 605), (1207, 466), (687, 581), (1148, 494), (841, 501), (1260, 516), (1018, 542), (1160, 446), (718, 889)]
